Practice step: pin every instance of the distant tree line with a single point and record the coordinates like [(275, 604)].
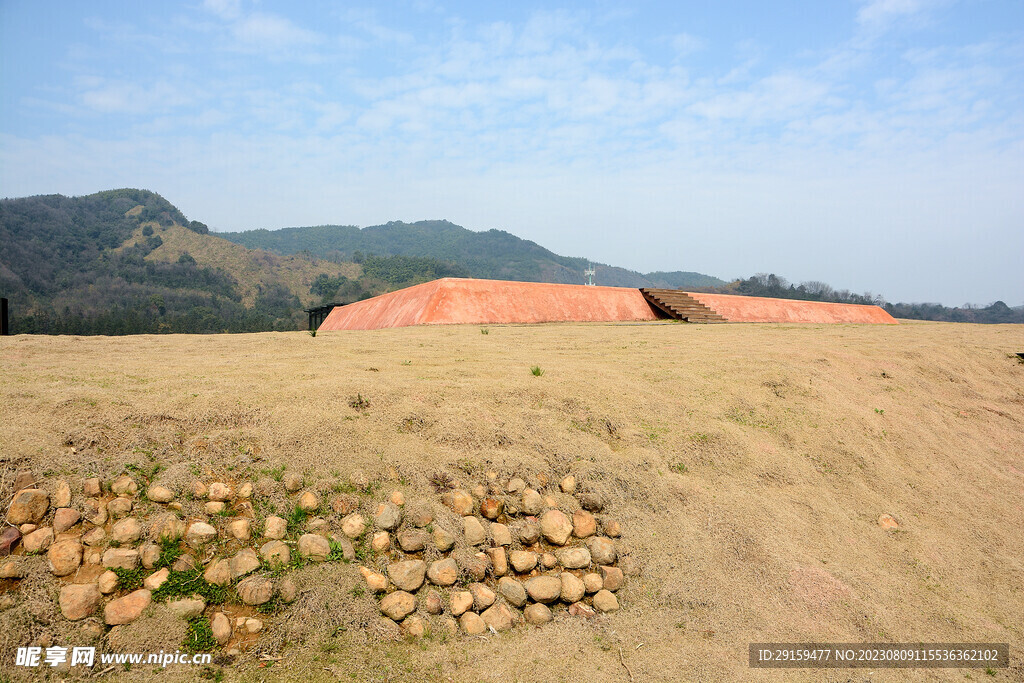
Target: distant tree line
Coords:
[(771, 285)]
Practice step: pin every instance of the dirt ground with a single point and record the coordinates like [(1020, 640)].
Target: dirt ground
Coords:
[(747, 464)]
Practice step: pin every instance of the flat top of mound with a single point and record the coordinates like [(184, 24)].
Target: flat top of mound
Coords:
[(749, 464)]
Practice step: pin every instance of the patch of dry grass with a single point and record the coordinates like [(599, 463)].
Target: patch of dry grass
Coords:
[(748, 465)]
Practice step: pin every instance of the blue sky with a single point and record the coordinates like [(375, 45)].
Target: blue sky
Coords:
[(873, 144)]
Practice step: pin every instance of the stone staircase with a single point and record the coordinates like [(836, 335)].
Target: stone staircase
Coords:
[(681, 306)]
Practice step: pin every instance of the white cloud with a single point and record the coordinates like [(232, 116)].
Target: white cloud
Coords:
[(269, 32), (225, 9)]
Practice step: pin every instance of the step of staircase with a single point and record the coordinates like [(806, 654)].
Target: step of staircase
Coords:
[(681, 306)]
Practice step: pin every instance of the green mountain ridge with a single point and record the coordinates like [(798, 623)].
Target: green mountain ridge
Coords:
[(491, 254)]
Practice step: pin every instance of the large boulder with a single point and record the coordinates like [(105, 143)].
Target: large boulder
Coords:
[(408, 575), (78, 601), (398, 605)]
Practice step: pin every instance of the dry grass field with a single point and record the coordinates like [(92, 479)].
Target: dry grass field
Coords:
[(747, 464)]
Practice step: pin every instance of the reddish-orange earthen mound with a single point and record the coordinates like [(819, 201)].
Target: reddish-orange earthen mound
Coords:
[(451, 301), (754, 309)]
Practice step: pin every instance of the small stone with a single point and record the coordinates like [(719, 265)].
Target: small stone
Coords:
[(592, 582), (12, 568), (412, 541), (533, 502), (220, 492), (120, 507), (472, 623), (292, 482), (175, 505), (94, 536), (515, 485), (215, 507), (253, 625), (544, 588), (548, 561), (483, 597), (419, 514), (276, 553), (433, 603), (26, 529), (408, 575), (537, 614), (612, 529), (380, 542), (888, 522), (591, 501), (91, 487), (500, 534), (220, 626), (555, 526), (318, 525), (574, 558), (121, 558), (159, 494), (490, 508), (345, 504), (475, 566), (612, 578), (244, 562), (309, 501), (245, 491), (499, 561), (241, 529), (459, 501), (200, 533), (314, 547), (64, 519), (287, 590), (126, 531), (499, 617), (459, 602), (78, 601), (95, 511), (38, 541), (64, 557), (61, 497), (156, 579), (388, 516), (184, 563), (522, 560), (573, 589), (568, 484), (443, 572), (124, 486), (127, 609), (512, 591), (583, 524), (443, 539), (529, 532), (605, 601), (375, 581), (348, 551), (166, 527), (198, 489), (398, 605), (582, 609), (397, 498), (353, 526), (24, 479), (218, 572), (275, 527), (187, 608), (9, 538), (92, 556), (107, 582), (28, 507), (602, 550), (255, 590), (474, 531)]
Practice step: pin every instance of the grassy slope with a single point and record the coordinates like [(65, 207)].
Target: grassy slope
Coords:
[(794, 440), (251, 267)]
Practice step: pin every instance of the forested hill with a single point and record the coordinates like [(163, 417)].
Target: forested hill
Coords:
[(128, 261), (494, 254)]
